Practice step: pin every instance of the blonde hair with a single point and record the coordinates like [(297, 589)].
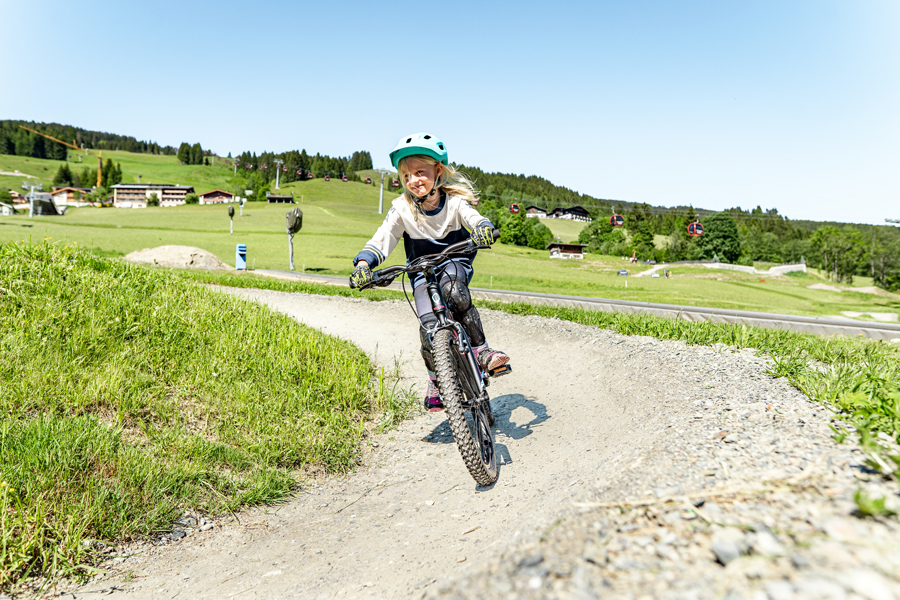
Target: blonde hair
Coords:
[(451, 182)]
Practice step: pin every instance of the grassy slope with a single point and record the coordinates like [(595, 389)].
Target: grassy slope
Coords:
[(339, 217), (154, 169), (129, 394)]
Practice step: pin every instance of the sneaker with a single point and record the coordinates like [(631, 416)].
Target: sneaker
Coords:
[(491, 360), (432, 400)]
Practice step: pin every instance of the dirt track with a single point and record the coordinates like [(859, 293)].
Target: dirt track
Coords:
[(581, 411)]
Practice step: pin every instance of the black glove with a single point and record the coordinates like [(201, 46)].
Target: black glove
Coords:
[(483, 235), (362, 276)]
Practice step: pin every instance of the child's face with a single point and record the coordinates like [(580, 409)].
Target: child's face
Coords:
[(419, 176)]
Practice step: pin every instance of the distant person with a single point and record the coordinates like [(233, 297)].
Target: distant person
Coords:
[(433, 212)]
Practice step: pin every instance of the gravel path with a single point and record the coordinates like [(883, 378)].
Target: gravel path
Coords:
[(630, 468)]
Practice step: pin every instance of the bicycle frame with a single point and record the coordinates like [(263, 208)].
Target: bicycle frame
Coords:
[(439, 307)]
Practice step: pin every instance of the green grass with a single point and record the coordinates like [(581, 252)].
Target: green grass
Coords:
[(129, 394), (565, 230)]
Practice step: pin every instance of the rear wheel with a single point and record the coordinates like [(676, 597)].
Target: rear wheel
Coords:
[(471, 428)]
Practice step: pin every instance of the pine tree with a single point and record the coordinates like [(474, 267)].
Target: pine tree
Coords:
[(184, 153), (196, 154), (63, 176)]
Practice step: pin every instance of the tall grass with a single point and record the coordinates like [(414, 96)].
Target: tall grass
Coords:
[(128, 395)]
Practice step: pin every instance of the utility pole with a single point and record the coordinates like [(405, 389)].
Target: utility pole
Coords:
[(235, 167), (278, 163), (381, 192), (31, 204)]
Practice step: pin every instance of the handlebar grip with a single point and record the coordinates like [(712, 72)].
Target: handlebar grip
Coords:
[(496, 234), (352, 285)]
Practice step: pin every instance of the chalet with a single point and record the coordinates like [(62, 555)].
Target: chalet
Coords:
[(217, 197), (558, 250), (278, 199), (70, 196), (18, 197), (574, 213), (7, 209), (577, 213), (136, 195), (535, 211)]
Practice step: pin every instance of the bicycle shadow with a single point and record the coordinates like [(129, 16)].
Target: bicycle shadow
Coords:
[(503, 407)]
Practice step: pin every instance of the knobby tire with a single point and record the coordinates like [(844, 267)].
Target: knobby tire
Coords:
[(479, 458)]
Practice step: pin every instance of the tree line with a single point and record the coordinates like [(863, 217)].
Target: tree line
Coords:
[(257, 172), (191, 154), (17, 141), (744, 237), (87, 177)]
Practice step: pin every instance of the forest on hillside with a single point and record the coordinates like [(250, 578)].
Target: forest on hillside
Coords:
[(17, 141), (257, 172)]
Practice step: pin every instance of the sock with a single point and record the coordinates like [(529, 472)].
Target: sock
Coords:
[(478, 349)]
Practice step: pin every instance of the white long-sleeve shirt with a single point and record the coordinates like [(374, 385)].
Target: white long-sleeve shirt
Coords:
[(434, 230)]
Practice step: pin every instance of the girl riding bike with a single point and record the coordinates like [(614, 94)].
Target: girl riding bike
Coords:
[(433, 213)]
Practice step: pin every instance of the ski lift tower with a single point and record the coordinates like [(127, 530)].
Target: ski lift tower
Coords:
[(278, 162), (381, 191)]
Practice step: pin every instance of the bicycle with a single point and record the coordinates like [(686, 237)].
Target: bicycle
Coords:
[(460, 380)]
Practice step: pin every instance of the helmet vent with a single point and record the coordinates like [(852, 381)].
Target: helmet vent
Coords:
[(441, 146), (408, 140), (427, 137)]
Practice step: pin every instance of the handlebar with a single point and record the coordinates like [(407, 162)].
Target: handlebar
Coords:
[(385, 277)]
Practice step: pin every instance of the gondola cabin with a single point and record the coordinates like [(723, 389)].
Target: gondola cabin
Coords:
[(695, 229), (368, 180), (327, 178), (395, 183), (514, 209), (309, 175), (617, 220), (344, 178)]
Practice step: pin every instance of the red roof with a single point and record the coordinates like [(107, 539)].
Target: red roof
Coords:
[(211, 192)]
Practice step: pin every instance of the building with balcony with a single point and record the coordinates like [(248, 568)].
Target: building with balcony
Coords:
[(217, 197), (136, 195)]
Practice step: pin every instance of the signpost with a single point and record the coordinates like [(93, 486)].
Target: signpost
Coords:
[(294, 224)]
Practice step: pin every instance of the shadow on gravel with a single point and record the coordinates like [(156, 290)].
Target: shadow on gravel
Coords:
[(503, 408)]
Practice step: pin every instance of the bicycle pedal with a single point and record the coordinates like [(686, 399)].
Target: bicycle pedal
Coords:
[(501, 370)]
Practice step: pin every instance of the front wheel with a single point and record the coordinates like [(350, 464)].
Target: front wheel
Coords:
[(471, 429)]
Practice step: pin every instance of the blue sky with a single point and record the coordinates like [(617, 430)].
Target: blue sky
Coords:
[(794, 105)]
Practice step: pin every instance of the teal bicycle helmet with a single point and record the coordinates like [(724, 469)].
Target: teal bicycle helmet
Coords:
[(419, 143)]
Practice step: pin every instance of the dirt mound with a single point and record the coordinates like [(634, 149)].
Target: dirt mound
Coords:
[(824, 286), (178, 257)]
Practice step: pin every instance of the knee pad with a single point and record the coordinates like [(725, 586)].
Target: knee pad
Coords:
[(457, 295)]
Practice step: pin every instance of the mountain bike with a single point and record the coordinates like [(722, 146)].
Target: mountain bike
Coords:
[(460, 380)]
